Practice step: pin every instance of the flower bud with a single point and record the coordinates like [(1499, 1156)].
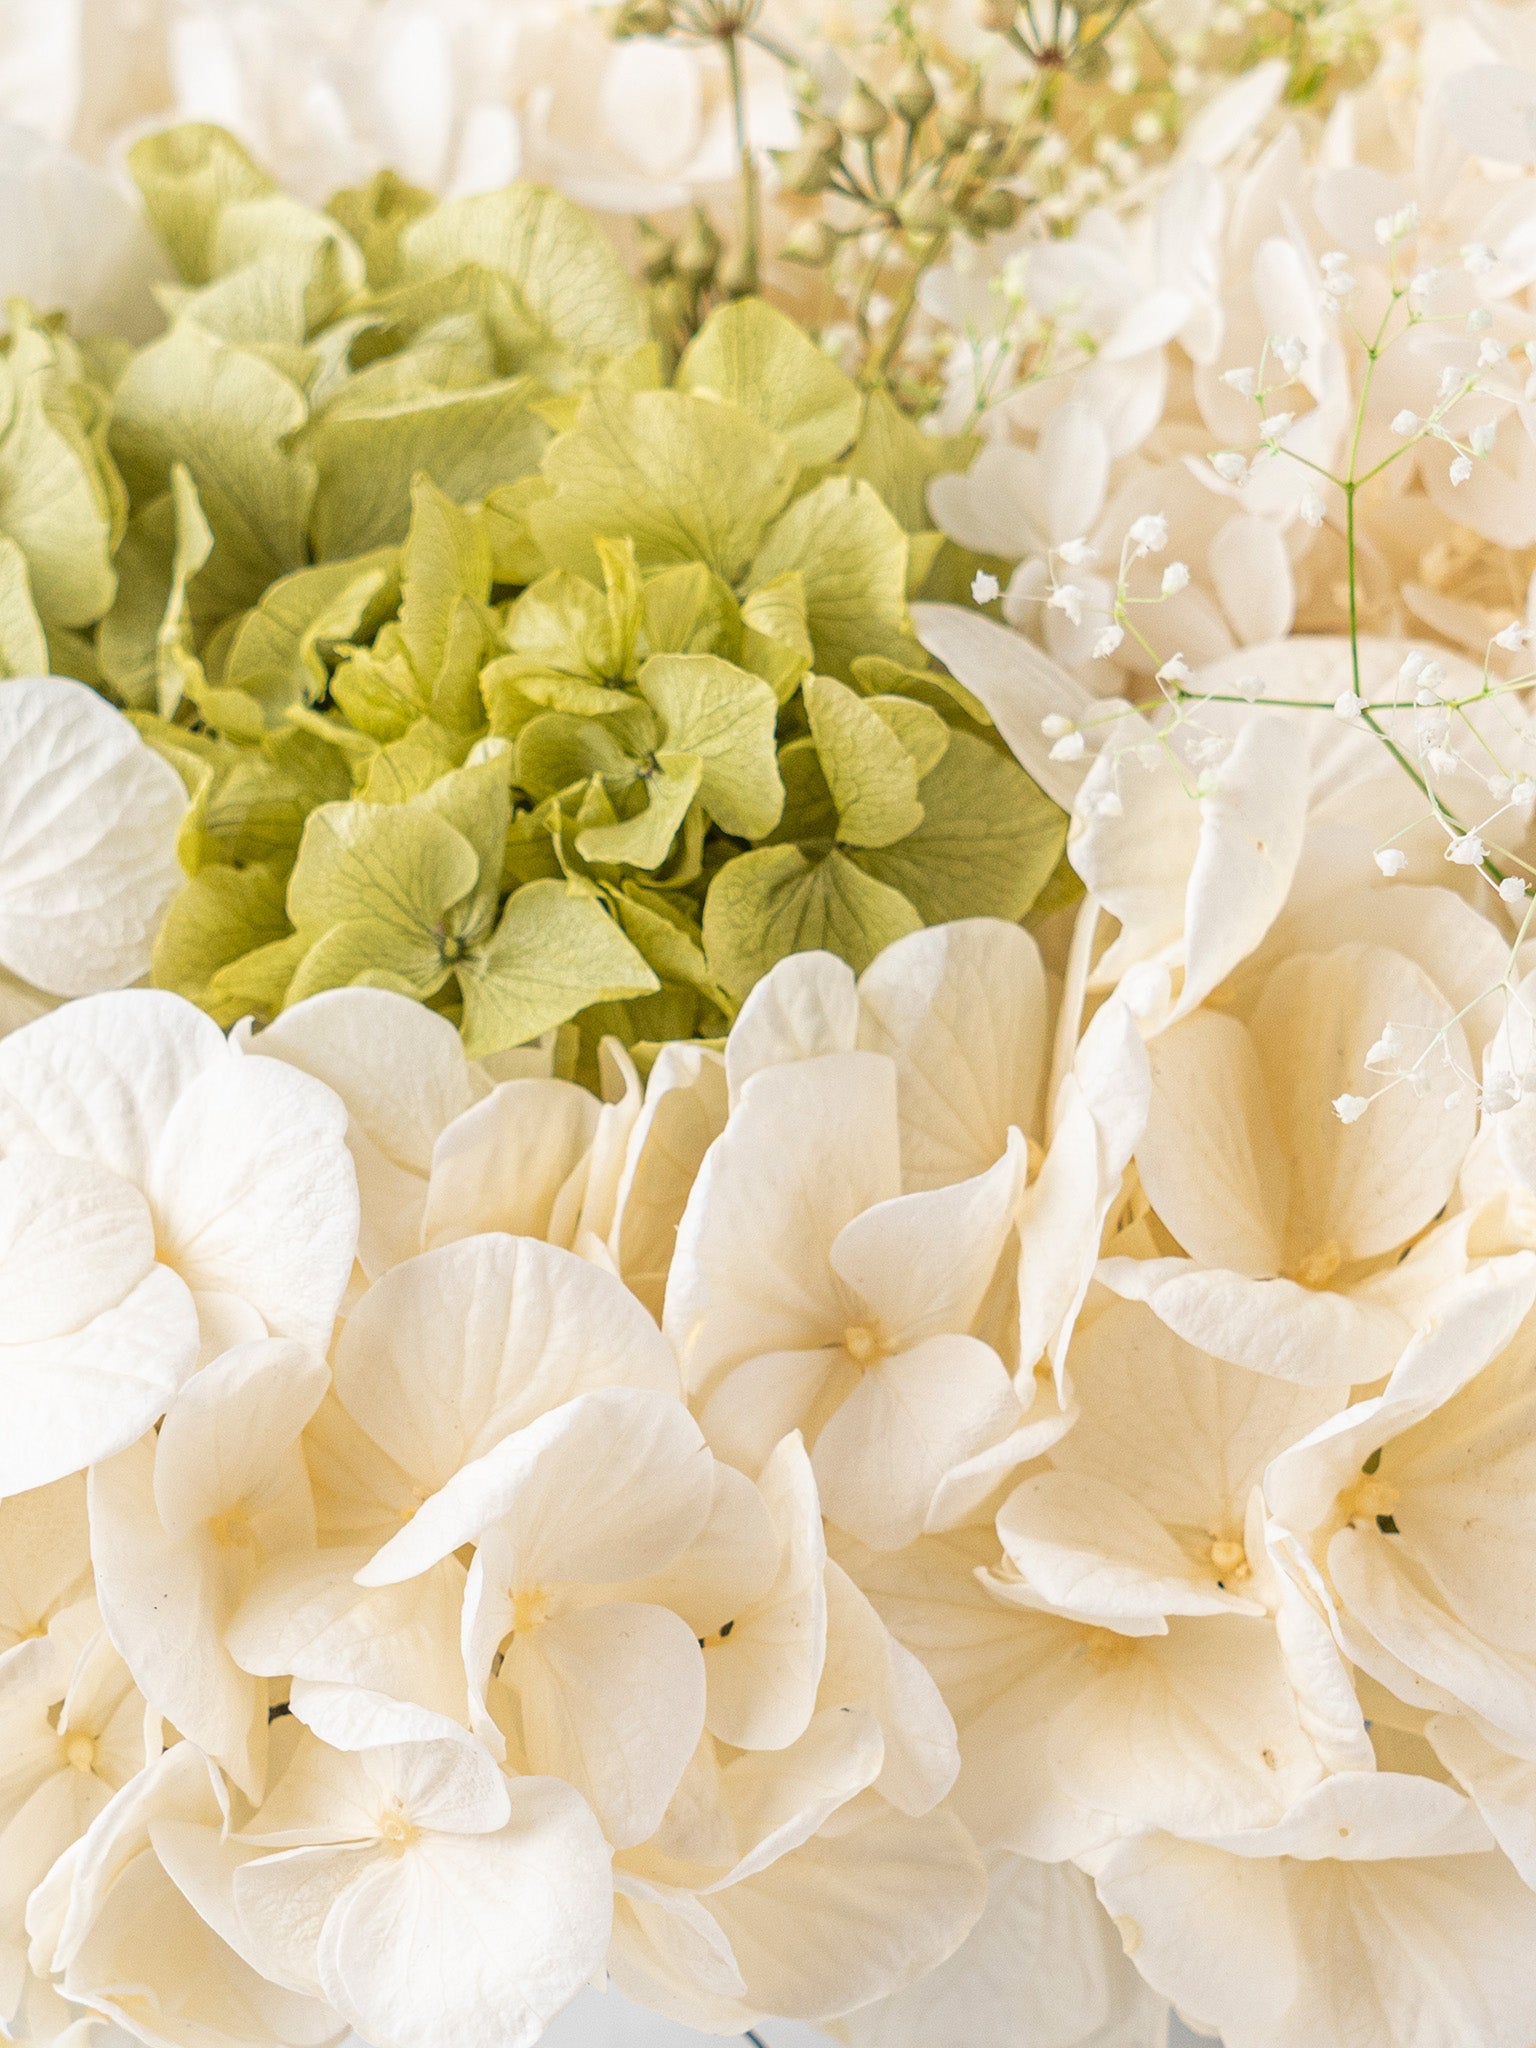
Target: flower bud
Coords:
[(960, 116), (812, 243), (643, 18), (912, 93), (819, 136), (738, 275), (991, 212), (805, 172), (923, 212), (861, 116)]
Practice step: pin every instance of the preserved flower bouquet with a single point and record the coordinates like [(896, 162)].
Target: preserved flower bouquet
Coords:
[(768, 1028)]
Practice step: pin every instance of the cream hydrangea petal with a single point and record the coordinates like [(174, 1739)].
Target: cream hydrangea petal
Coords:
[(909, 1418), (1197, 1729), (166, 1600), (809, 1147), (854, 1915), (683, 1114), (74, 1240), (1502, 1787), (82, 1394), (758, 1404), (501, 1166), (100, 1078), (763, 1676), (1209, 1158), (518, 1921), (962, 1010), (230, 1443), (282, 1901), (1084, 1547), (805, 1006), (307, 1617), (922, 1263), (255, 1194), (1313, 1337), (993, 1989), (1185, 1433), (866, 1667), (1366, 1187), (402, 1073), (448, 1353), (45, 1563), (611, 1699), (616, 1478), (88, 822), (731, 1564)]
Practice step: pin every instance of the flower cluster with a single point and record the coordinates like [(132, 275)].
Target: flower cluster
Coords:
[(780, 1528)]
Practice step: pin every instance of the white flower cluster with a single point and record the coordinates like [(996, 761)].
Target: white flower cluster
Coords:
[(994, 1506), (1303, 342)]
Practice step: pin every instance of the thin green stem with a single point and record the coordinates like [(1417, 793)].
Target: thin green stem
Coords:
[(751, 197)]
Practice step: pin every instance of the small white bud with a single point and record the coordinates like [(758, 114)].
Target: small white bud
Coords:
[(1405, 422), (1055, 726), (1391, 860), (1512, 637), (1107, 641), (1467, 852), (1078, 553), (1500, 1092), (1450, 382), (1454, 1099), (1524, 793), (1491, 351), (1070, 747), (1441, 761), (1150, 531), (1101, 803), (1244, 382), (1512, 889), (1175, 579), (985, 587), (1230, 466), (1311, 509), (1276, 424), (1066, 597), (1350, 1108), (1461, 469), (1477, 259), (1482, 436), (1290, 350), (1479, 320), (1175, 670), (1347, 705)]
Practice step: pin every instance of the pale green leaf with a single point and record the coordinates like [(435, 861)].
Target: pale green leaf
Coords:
[(556, 951), (988, 842), (476, 800), (222, 914), (853, 558), (391, 864), (686, 479), (754, 356), (557, 749), (671, 942), (872, 776), (278, 652), (55, 502), (775, 901), (228, 415), (776, 641), (645, 840), (725, 717), (188, 175), (899, 459), (919, 727), (573, 295), (23, 644), (178, 671), (467, 442), (374, 953)]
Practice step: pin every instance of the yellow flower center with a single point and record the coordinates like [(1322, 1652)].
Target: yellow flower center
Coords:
[(231, 1530), (1370, 1500), (1229, 1559), (1319, 1266), (862, 1343), (395, 1831), (529, 1609), (80, 1752)]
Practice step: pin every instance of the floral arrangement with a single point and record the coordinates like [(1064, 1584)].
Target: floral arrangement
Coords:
[(768, 1028)]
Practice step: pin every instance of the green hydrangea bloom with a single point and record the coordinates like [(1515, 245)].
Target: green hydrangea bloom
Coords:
[(503, 669)]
